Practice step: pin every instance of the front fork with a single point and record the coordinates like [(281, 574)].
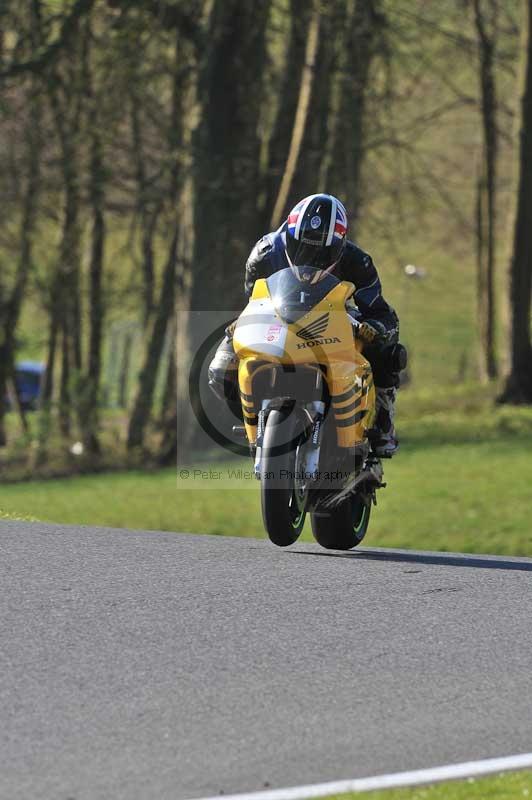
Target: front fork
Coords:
[(259, 441), (316, 413)]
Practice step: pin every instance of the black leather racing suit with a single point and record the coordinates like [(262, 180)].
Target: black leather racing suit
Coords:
[(355, 265)]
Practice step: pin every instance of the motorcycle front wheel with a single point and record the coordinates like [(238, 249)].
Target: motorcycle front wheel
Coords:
[(344, 527), (283, 490)]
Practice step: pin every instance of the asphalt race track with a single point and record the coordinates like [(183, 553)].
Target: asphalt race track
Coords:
[(154, 665)]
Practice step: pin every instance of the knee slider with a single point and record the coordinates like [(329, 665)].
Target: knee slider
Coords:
[(387, 362), (398, 357)]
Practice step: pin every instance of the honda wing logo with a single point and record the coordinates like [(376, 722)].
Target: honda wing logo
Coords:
[(315, 329)]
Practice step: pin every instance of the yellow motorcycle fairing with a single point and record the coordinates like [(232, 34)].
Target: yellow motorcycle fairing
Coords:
[(322, 340)]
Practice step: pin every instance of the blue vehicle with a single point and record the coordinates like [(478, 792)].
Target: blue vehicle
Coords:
[(29, 377)]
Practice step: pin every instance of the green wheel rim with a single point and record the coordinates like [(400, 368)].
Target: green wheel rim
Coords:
[(296, 521), (363, 518)]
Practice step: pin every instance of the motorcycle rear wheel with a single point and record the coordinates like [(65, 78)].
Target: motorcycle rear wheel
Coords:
[(283, 502), (344, 527)]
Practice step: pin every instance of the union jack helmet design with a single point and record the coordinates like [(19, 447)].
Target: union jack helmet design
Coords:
[(316, 231)]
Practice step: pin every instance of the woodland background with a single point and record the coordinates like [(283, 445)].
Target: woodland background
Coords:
[(145, 145)]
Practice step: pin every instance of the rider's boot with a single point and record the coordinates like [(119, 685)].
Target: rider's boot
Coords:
[(383, 437)]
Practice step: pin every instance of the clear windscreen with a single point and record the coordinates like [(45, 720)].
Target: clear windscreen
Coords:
[(292, 298)]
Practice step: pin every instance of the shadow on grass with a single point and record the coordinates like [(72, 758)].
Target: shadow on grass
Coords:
[(436, 559)]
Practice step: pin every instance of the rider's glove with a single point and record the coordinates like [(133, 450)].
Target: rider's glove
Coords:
[(371, 331)]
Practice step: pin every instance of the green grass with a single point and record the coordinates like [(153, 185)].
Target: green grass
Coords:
[(511, 786), (460, 483), (13, 515)]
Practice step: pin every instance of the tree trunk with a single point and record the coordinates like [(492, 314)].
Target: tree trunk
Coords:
[(168, 450), (90, 417), (45, 400), (157, 333), (279, 143), (518, 388), (12, 307), (123, 380), (168, 402), (64, 387), (355, 26), (21, 413), (53, 332), (158, 327), (66, 99), (300, 120), (88, 412), (3, 409), (362, 48), (184, 426), (224, 184), (487, 190), (307, 178), (148, 211), (226, 151), (69, 251), (332, 147)]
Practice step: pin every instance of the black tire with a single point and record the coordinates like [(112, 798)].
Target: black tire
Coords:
[(344, 527), (283, 508)]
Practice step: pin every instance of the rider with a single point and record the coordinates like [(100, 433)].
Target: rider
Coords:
[(315, 235)]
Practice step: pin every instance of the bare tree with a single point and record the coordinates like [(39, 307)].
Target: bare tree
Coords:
[(158, 325), (486, 13), (12, 298), (90, 384), (149, 199), (297, 19), (328, 136), (66, 103), (226, 150), (361, 22), (518, 387), (300, 120)]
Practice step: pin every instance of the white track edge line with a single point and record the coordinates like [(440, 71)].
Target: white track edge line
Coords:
[(449, 772)]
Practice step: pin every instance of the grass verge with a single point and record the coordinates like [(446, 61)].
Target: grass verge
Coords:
[(13, 515), (460, 483), (508, 786)]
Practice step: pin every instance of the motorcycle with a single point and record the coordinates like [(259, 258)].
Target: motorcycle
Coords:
[(308, 403)]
